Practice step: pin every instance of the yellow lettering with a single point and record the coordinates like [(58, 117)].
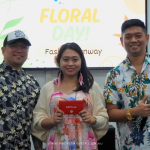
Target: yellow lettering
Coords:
[(88, 13), (51, 16), (94, 16), (67, 15), (73, 16), (42, 14), (64, 14)]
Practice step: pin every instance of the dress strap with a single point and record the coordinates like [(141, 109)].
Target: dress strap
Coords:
[(75, 95)]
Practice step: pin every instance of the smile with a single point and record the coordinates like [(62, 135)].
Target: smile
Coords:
[(134, 45), (18, 56), (70, 70)]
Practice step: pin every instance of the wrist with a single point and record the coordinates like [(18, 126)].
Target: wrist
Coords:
[(133, 111), (93, 120), (129, 115), (52, 121)]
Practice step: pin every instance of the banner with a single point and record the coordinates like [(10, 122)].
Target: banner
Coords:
[(93, 24)]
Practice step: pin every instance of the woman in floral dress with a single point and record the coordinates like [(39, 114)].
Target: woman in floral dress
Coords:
[(74, 83)]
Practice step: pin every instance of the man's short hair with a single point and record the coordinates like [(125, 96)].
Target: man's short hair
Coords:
[(133, 22)]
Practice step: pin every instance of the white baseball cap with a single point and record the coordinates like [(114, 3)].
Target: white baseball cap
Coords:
[(15, 35)]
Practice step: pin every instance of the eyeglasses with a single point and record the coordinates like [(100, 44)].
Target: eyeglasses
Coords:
[(15, 47)]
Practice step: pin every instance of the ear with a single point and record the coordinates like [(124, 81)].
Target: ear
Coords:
[(147, 37), (3, 50), (121, 40)]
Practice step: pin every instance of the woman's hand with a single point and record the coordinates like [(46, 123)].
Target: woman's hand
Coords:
[(49, 123), (86, 117), (58, 117)]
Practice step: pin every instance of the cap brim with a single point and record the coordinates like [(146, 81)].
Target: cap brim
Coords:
[(27, 42)]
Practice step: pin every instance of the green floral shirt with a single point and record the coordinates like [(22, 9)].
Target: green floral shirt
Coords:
[(19, 93), (125, 88)]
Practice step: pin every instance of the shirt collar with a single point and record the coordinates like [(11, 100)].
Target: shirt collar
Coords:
[(6, 68), (147, 59), (128, 65)]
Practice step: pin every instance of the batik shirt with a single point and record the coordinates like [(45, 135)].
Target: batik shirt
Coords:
[(125, 88), (19, 93)]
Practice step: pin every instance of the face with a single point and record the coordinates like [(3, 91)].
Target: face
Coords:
[(15, 54), (134, 41), (70, 63)]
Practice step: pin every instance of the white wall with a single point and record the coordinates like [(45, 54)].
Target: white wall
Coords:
[(43, 76)]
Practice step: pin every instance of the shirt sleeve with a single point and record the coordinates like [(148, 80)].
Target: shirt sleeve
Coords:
[(40, 112), (37, 90), (99, 112), (110, 92)]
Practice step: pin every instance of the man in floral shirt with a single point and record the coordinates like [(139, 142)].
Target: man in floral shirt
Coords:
[(19, 92), (127, 87)]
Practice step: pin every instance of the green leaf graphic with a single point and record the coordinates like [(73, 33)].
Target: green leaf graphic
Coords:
[(3, 2), (3, 36), (12, 23)]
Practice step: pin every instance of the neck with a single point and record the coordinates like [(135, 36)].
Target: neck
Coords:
[(13, 66), (70, 80), (137, 60)]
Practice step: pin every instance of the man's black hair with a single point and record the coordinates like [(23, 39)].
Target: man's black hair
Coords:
[(133, 22)]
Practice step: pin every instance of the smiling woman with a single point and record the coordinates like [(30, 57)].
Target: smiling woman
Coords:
[(70, 63), (74, 87)]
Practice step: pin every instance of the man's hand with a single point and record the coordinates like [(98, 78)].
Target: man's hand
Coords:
[(142, 110), (37, 143)]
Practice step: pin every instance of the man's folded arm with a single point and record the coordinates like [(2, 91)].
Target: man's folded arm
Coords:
[(37, 143)]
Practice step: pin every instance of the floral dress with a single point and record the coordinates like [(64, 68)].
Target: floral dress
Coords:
[(72, 133)]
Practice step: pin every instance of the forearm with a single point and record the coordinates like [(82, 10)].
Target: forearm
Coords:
[(37, 143), (101, 123), (47, 123), (117, 115)]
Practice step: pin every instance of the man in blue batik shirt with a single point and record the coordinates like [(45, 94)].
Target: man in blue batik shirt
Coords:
[(19, 92)]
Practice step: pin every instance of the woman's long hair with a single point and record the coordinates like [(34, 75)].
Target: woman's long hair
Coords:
[(87, 76)]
